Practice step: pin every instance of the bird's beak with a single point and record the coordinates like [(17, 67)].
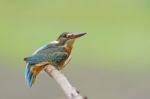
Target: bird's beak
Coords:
[(77, 35)]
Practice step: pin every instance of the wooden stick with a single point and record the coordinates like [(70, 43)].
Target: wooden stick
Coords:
[(62, 81)]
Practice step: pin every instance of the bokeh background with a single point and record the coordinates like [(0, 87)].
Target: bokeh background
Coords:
[(111, 62)]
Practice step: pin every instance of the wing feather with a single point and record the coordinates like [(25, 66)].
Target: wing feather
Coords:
[(53, 55)]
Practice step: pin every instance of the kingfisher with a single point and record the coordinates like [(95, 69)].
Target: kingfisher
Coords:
[(56, 53)]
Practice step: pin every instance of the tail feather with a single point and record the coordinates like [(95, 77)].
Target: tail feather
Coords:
[(31, 72), (28, 75)]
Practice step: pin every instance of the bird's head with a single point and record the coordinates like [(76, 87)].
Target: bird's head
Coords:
[(68, 38)]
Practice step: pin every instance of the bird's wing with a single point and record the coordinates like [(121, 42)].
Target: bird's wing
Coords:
[(54, 55), (51, 44)]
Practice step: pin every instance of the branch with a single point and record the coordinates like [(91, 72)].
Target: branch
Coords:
[(67, 88)]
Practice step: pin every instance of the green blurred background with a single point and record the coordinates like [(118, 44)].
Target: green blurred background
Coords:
[(111, 62)]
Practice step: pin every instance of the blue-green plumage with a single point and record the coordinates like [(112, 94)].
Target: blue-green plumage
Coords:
[(28, 75), (55, 53)]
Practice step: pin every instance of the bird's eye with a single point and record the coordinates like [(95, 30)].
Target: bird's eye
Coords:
[(65, 36)]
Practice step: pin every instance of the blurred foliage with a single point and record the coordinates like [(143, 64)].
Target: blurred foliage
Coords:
[(118, 30)]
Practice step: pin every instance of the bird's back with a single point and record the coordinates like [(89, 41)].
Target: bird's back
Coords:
[(55, 54)]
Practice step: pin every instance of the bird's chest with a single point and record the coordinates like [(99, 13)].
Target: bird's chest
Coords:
[(68, 60), (68, 50)]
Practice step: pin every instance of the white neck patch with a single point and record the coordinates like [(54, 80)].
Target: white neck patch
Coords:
[(54, 42)]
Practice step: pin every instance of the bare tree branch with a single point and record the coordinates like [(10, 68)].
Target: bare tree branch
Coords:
[(67, 88)]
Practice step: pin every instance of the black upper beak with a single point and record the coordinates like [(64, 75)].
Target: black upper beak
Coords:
[(76, 35)]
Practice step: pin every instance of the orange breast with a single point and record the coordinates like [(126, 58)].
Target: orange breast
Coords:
[(68, 49)]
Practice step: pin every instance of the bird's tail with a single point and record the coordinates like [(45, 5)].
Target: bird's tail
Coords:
[(31, 72)]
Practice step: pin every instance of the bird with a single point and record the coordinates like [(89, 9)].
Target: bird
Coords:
[(56, 53)]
